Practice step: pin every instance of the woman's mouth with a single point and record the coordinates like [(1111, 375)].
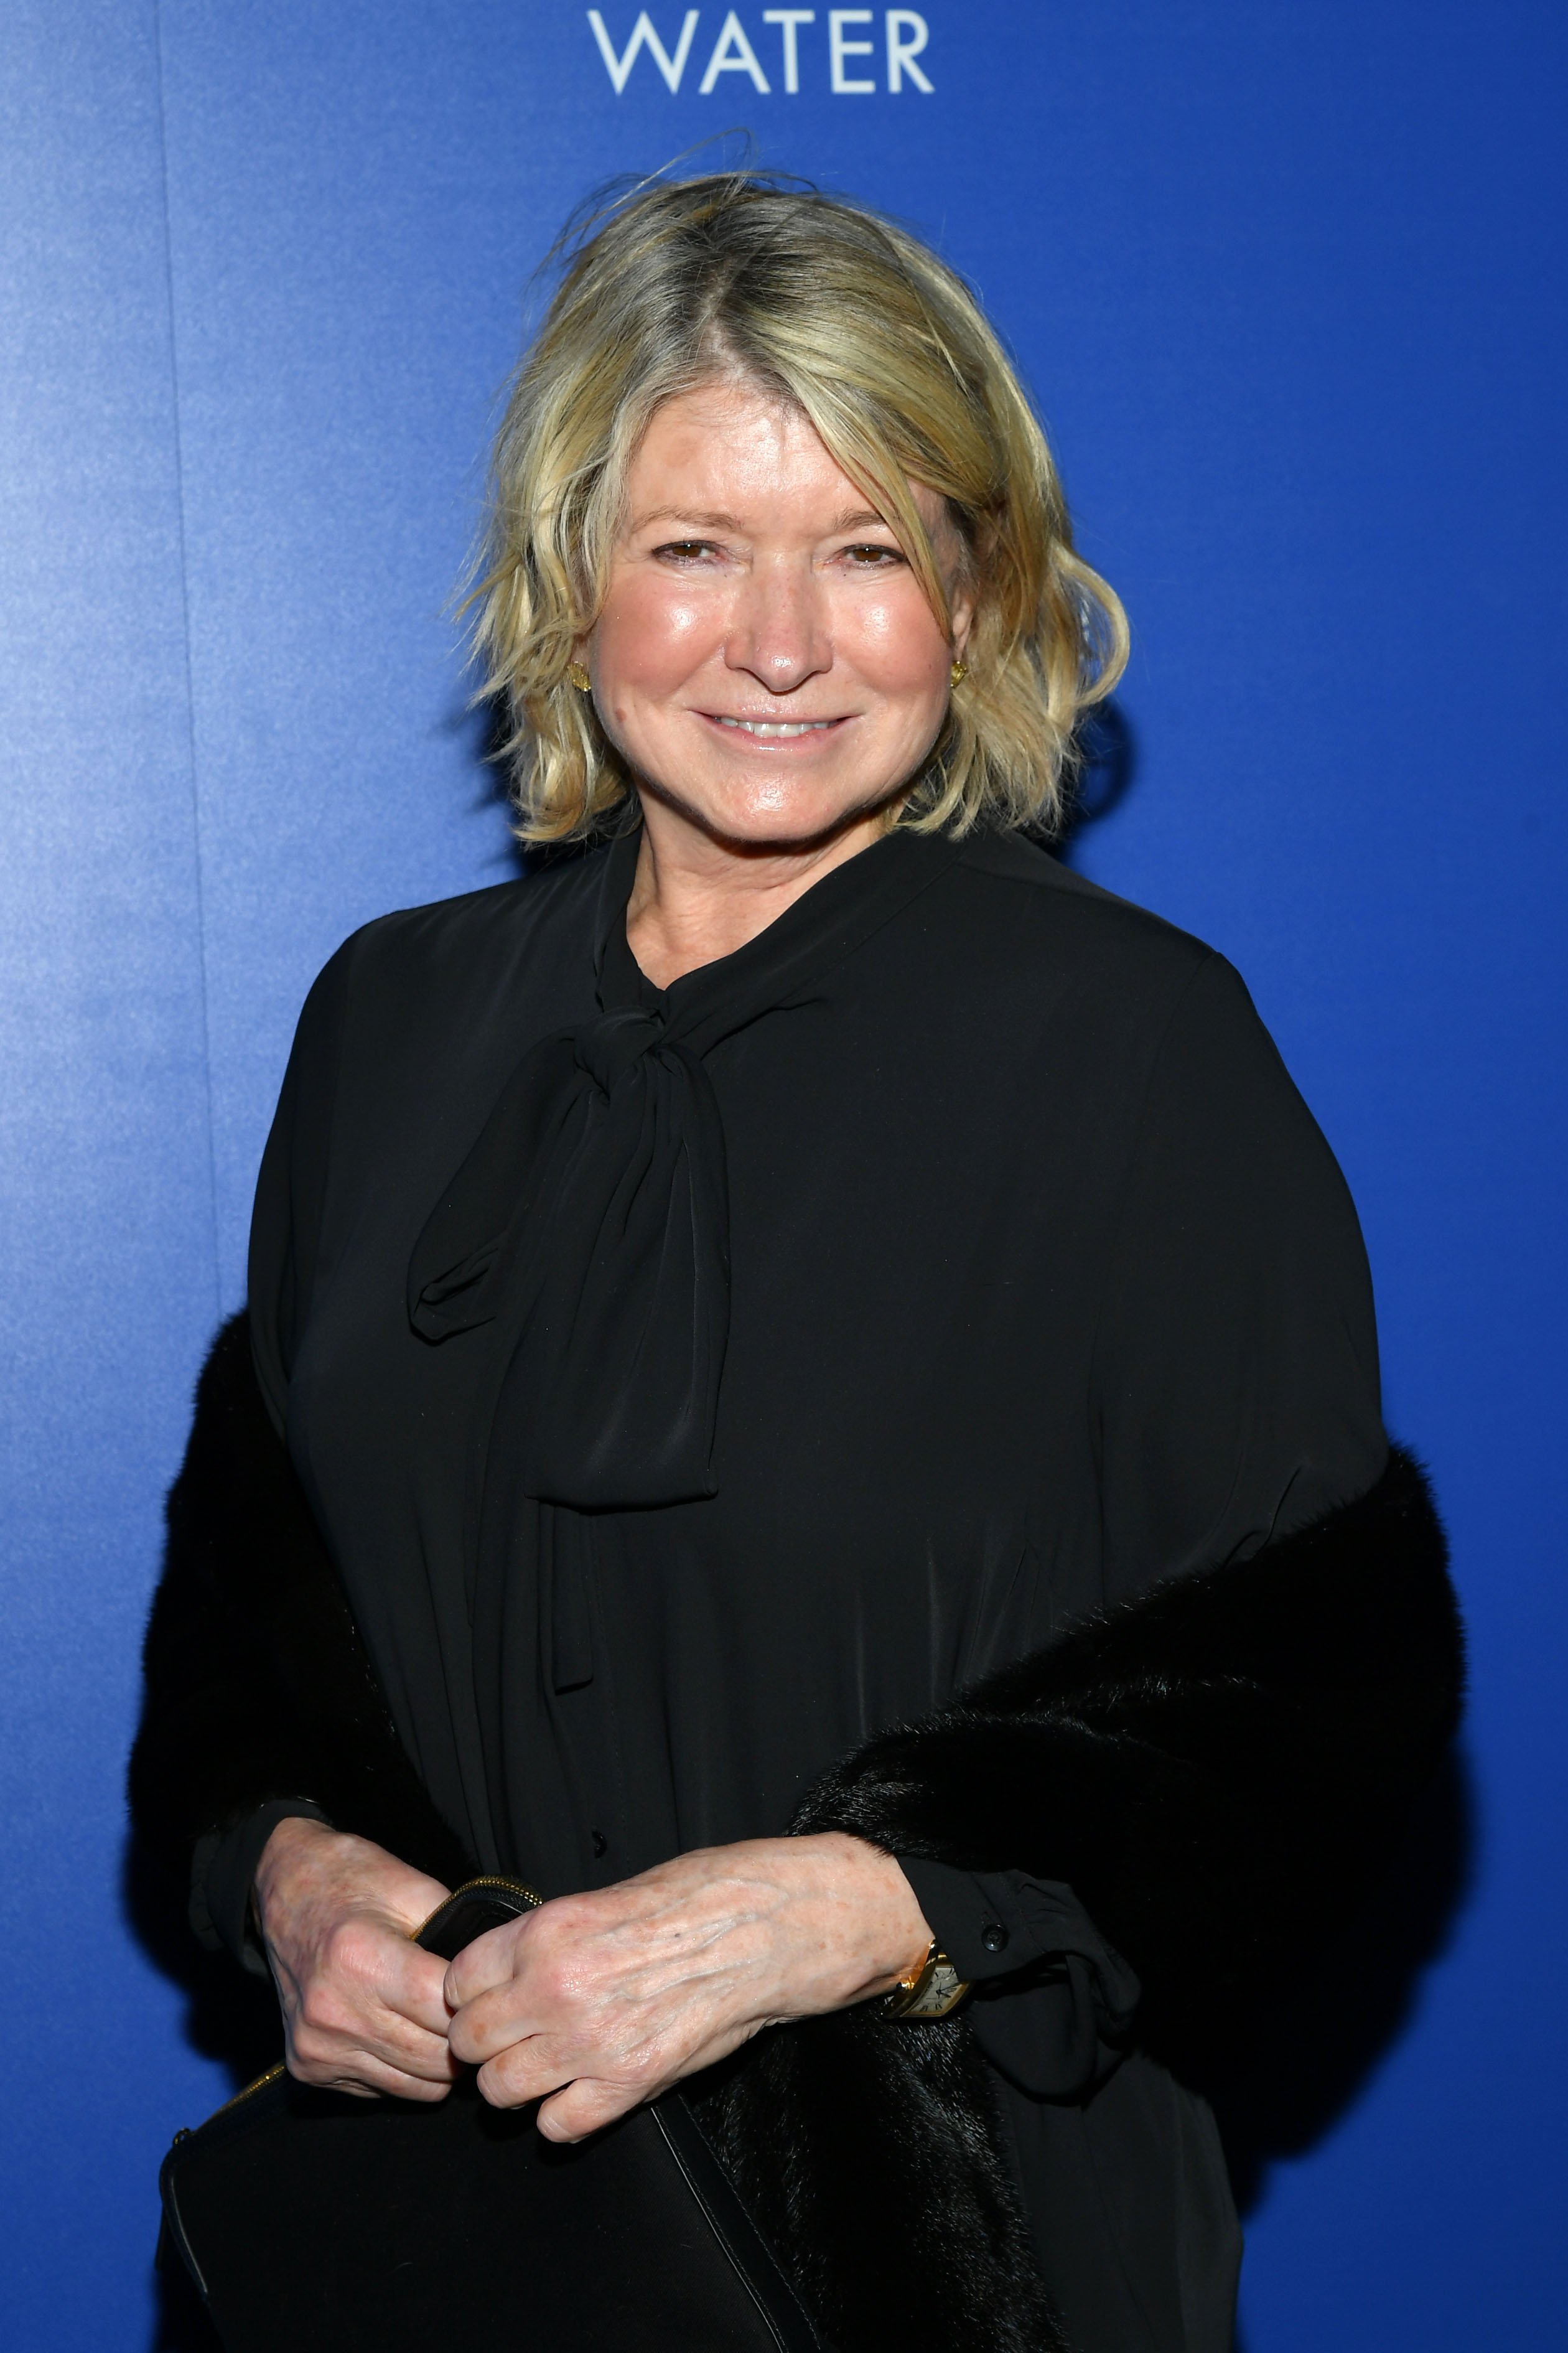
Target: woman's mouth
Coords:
[(774, 731)]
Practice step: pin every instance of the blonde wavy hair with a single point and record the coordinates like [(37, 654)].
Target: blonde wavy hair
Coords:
[(733, 276)]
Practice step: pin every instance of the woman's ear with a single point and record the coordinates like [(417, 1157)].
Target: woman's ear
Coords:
[(961, 611)]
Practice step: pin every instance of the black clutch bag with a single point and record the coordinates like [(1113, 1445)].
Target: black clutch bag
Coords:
[(315, 2223)]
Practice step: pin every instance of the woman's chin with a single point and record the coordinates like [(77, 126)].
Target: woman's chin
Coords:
[(788, 814)]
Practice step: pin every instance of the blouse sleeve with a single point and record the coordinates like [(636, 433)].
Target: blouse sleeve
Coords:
[(286, 1222), (284, 1235), (1234, 1384)]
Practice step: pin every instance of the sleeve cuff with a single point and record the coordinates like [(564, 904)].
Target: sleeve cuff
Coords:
[(222, 1871), (991, 1924), (982, 1920), (1053, 2004)]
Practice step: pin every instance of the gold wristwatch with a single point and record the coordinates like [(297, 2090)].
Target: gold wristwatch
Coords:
[(931, 1989)]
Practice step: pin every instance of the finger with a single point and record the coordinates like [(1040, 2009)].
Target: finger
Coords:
[(365, 1969), (488, 1962), (478, 2033), (414, 1988), (428, 2057), (526, 2071), (495, 2021), (328, 2033), (366, 2077), (587, 2106), (590, 2101)]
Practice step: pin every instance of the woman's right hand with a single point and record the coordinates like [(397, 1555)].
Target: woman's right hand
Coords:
[(362, 2006)]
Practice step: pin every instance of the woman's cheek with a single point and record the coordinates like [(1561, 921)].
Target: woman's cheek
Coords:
[(653, 638), (896, 644)]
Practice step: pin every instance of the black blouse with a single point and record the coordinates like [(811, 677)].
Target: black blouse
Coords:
[(688, 1383)]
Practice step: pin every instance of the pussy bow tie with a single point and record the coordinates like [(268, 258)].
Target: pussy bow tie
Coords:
[(590, 1221)]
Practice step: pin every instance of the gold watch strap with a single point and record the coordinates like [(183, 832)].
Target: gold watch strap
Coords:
[(931, 1991)]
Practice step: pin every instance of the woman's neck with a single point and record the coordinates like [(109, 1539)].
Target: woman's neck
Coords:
[(695, 898)]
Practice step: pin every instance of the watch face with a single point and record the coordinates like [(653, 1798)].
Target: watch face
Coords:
[(937, 1991)]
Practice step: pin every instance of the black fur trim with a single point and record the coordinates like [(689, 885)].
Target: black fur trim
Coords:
[(257, 1685), (1200, 1764), (871, 2158)]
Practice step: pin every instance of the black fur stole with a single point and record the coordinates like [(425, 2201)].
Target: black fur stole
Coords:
[(1197, 1764)]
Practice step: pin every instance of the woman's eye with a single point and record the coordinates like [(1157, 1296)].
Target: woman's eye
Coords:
[(869, 557), (685, 551)]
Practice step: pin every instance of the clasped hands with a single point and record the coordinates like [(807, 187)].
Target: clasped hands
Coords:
[(590, 2005)]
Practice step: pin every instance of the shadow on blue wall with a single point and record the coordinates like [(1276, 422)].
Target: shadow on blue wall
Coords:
[(1107, 750), (1311, 2052)]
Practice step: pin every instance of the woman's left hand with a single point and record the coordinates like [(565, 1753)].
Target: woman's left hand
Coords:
[(595, 2003)]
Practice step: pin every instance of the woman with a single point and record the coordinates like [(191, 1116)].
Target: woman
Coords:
[(835, 1371)]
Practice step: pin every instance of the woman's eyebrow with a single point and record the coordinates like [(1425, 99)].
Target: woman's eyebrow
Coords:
[(700, 521), (853, 519)]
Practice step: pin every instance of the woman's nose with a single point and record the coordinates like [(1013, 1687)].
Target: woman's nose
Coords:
[(778, 632)]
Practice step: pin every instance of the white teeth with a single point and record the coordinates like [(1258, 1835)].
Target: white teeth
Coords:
[(776, 727)]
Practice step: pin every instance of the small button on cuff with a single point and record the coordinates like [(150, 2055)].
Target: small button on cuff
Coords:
[(993, 1935)]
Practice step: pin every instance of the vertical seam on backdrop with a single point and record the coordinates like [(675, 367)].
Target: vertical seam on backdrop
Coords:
[(190, 664)]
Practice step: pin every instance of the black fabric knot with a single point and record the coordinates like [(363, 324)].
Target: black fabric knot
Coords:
[(607, 1049)]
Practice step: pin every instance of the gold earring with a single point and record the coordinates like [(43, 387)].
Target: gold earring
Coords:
[(959, 672), (579, 677)]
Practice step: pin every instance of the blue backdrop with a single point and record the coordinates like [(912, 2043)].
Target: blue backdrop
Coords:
[(1287, 281)]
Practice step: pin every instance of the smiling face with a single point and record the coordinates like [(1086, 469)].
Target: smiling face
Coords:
[(766, 661)]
